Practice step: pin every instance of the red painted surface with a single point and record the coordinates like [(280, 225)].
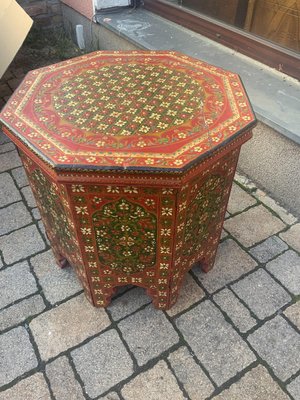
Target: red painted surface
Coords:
[(119, 212)]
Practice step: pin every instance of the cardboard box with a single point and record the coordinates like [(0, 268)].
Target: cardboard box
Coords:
[(14, 26)]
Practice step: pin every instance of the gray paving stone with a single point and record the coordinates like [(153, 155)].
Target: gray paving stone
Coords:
[(215, 343), (128, 303), (3, 138), (148, 333), (8, 190), (16, 355), (286, 268), (32, 388), (189, 294), (21, 311), (110, 396), (66, 326), (292, 237), (256, 384), (6, 147), (279, 345), (57, 283), (253, 226), (16, 282), (158, 383), (262, 294), (236, 311), (239, 200), (244, 181), (190, 375), (271, 203), (294, 388), (43, 231), (293, 314), (102, 363), (268, 249), (231, 263), (9, 161), (224, 234), (27, 193), (13, 217), (20, 244), (62, 380), (20, 176), (36, 214)]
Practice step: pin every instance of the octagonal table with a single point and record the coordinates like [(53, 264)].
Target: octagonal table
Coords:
[(131, 158)]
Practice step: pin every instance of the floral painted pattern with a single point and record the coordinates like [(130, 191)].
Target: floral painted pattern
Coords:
[(157, 110), (126, 236)]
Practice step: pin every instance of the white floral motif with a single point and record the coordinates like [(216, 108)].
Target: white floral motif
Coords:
[(81, 210), (113, 189), (77, 188)]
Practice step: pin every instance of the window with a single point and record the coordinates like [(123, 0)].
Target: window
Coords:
[(266, 30)]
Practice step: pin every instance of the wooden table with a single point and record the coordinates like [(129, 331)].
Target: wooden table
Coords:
[(131, 158)]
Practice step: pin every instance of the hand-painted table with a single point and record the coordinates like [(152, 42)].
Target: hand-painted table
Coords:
[(131, 158)]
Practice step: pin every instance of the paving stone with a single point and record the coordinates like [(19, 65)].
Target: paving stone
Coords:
[(293, 314), (190, 375), (239, 200), (256, 384), (8, 190), (27, 193), (16, 355), (62, 380), (128, 303), (231, 263), (262, 294), (43, 231), (16, 282), (294, 388), (3, 138), (35, 213), (236, 311), (102, 363), (244, 181), (143, 337), (57, 283), (9, 161), (189, 294), (13, 217), (67, 325), (224, 234), (278, 344), (253, 226), (286, 268), (110, 396), (292, 237), (268, 249), (6, 147), (32, 388), (20, 176), (271, 203), (20, 244), (215, 343), (158, 383), (21, 311)]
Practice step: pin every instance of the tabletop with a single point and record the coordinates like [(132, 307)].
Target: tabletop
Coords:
[(157, 110)]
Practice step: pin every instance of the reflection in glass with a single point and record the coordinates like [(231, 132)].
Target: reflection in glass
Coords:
[(275, 20)]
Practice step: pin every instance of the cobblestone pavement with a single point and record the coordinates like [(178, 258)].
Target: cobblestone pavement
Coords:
[(234, 333)]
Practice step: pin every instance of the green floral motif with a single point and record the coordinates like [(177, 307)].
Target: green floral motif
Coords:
[(202, 212), (52, 209), (126, 236)]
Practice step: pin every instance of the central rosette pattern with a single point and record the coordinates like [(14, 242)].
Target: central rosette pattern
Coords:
[(131, 99)]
